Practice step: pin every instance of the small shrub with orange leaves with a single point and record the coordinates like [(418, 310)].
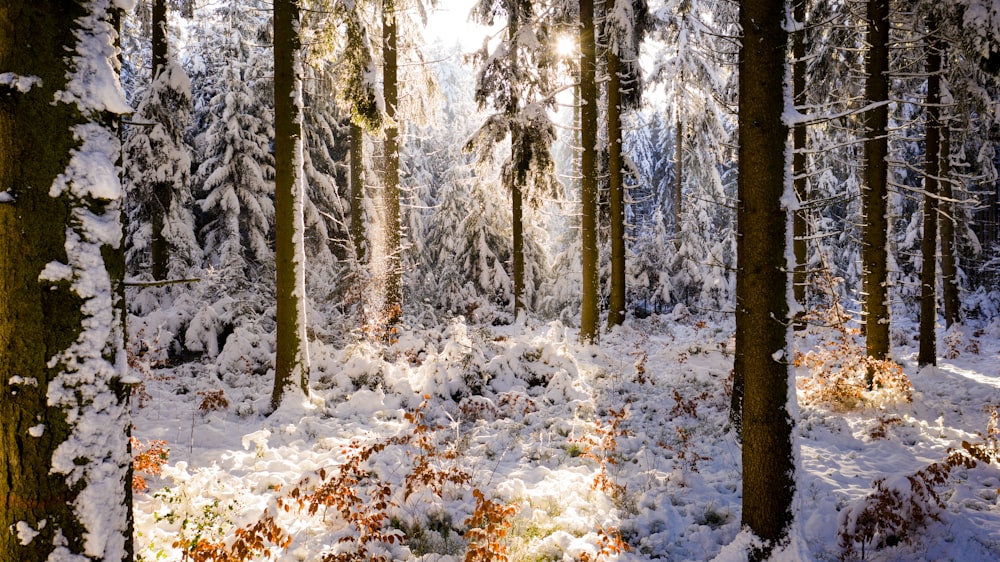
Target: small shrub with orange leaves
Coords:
[(364, 501), (609, 544), (840, 373), (488, 526), (147, 460), (602, 448)]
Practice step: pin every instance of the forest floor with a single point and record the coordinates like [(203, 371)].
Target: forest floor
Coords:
[(519, 440)]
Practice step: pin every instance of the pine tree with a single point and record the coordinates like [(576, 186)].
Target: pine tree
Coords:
[(590, 286), (932, 165), (762, 360), (515, 78), (65, 467), (161, 224), (874, 192), (625, 24)]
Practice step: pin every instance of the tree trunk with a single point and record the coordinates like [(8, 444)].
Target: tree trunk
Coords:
[(291, 363), (518, 174), (949, 269), (390, 189), (357, 192), (616, 193), (590, 286), (927, 354), (874, 195), (800, 219), (159, 248), (762, 347), (65, 463), (678, 176)]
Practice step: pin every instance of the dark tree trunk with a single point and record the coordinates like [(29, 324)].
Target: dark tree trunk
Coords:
[(390, 174), (874, 195), (927, 354), (357, 192), (590, 311), (616, 193), (61, 305), (290, 364), (800, 219), (762, 347), (949, 269), (159, 248), (518, 175), (678, 177)]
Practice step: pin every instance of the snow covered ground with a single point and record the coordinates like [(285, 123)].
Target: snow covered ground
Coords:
[(588, 444)]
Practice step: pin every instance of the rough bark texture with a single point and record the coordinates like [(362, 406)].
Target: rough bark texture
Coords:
[(590, 311), (799, 224), (519, 172), (678, 177), (874, 192), (390, 173), (517, 224), (290, 365), (949, 268), (159, 248), (616, 193), (927, 354), (761, 283), (41, 319), (357, 192)]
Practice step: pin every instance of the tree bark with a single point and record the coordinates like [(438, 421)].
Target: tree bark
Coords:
[(678, 175), (949, 269), (762, 347), (64, 414), (800, 219), (291, 364), (874, 196), (357, 192), (590, 286), (616, 193), (927, 353), (159, 247), (390, 189)]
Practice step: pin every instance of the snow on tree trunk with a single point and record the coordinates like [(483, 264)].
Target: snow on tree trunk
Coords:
[(64, 417), (291, 344)]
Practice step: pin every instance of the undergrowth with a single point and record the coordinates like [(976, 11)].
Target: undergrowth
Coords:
[(899, 509), (842, 376)]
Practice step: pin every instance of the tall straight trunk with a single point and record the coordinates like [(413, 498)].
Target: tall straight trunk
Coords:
[(357, 192), (590, 286), (678, 177), (159, 248), (390, 174), (616, 193), (949, 270), (874, 193), (762, 346), (800, 219), (291, 364), (517, 199), (65, 463), (927, 354), (519, 164)]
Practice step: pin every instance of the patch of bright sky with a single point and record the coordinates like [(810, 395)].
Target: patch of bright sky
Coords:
[(449, 23)]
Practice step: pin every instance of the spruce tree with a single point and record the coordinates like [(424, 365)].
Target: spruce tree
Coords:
[(762, 360)]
